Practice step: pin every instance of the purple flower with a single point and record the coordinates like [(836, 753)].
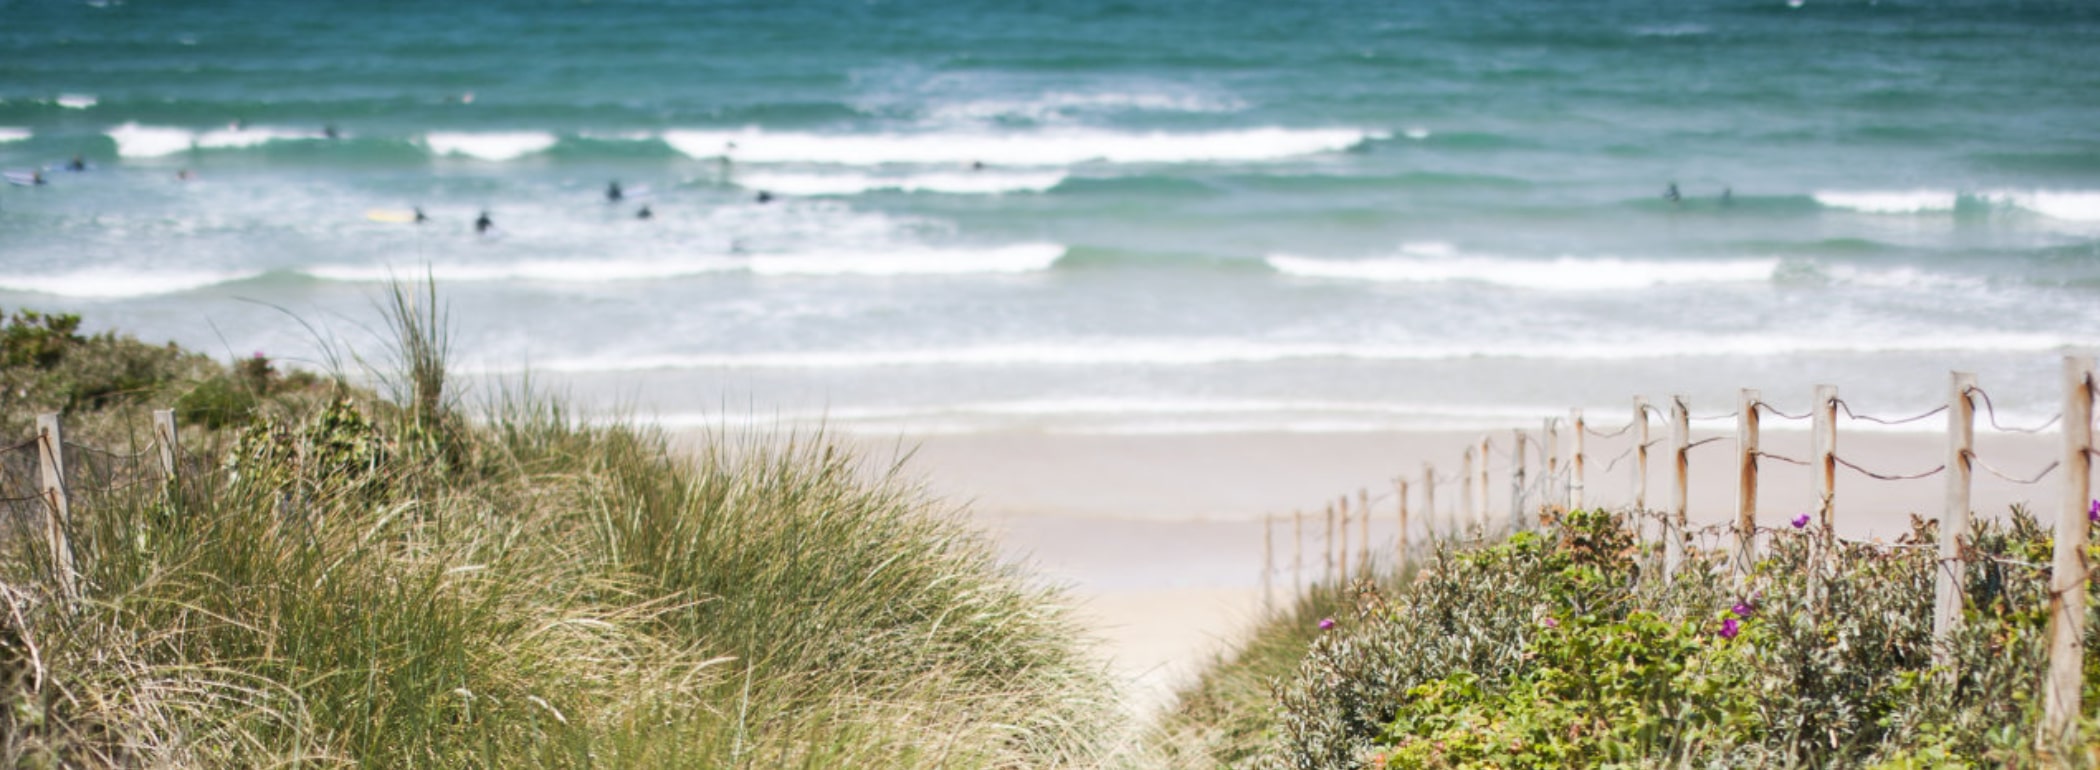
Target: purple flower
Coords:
[(2093, 513), (1801, 521), (1326, 623), (259, 354), (1729, 628), (1743, 610), (1550, 623)]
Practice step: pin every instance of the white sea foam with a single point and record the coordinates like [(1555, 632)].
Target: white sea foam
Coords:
[(11, 134), (2068, 205), (1889, 201), (494, 146), (237, 138), (1019, 258), (1684, 29), (136, 141), (1056, 147), (115, 283), (875, 262), (553, 271), (958, 182), (76, 101), (1435, 263), (1207, 352), (1063, 104), (1416, 133), (1104, 415)]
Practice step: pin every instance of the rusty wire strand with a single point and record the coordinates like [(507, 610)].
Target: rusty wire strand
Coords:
[(1774, 411), (1887, 476), (2001, 474), (1895, 421), (1990, 412)]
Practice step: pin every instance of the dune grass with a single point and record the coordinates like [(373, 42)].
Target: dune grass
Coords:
[(341, 579)]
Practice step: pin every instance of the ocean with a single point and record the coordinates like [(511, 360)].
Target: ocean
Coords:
[(1098, 216)]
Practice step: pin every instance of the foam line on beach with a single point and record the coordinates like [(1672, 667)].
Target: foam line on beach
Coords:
[(902, 261), (1208, 352), (951, 182), (490, 146), (1436, 263), (1049, 147), (115, 283)]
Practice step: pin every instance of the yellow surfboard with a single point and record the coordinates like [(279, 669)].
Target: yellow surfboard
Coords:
[(390, 215)]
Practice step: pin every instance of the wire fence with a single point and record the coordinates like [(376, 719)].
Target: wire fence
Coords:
[(1542, 481)]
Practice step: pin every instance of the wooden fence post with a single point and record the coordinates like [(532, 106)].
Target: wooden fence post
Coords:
[(1640, 454), (1482, 521), (1465, 489), (1298, 553), (1518, 463), (169, 441), (1680, 452), (1746, 483), (2061, 698), (1429, 499), (1328, 546), (1575, 462), (1823, 446), (1553, 492), (1400, 548), (1341, 545), (58, 511), (1954, 519), (1268, 563), (1363, 530)]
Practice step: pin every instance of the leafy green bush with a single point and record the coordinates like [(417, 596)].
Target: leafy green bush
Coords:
[(1563, 650)]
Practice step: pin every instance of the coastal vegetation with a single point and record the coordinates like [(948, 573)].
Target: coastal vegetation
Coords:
[(336, 577), (1564, 648)]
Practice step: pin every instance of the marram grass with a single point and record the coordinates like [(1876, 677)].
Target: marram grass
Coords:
[(344, 581)]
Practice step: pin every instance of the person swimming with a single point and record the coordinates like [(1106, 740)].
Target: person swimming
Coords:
[(420, 218), (613, 193), (76, 164), (764, 197), (1672, 195), (329, 131), (1727, 196), (645, 213), (482, 224)]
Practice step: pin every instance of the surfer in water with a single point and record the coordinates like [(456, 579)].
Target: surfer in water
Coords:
[(764, 197), (76, 164), (420, 218), (645, 213), (612, 192), (329, 131), (482, 224), (1670, 194), (1727, 196)]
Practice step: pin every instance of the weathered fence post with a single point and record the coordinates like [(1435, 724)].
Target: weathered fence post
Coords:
[(1640, 454), (1575, 462), (1363, 530), (1518, 462), (1298, 554), (1400, 547), (1553, 493), (1954, 519), (1268, 563), (1341, 545), (1746, 483), (1482, 521), (1429, 499), (58, 511), (2061, 698), (169, 442), (1328, 546), (1823, 446), (1680, 452), (1465, 489)]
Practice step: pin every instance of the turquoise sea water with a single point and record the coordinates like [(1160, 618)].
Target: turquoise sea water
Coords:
[(1096, 216)]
